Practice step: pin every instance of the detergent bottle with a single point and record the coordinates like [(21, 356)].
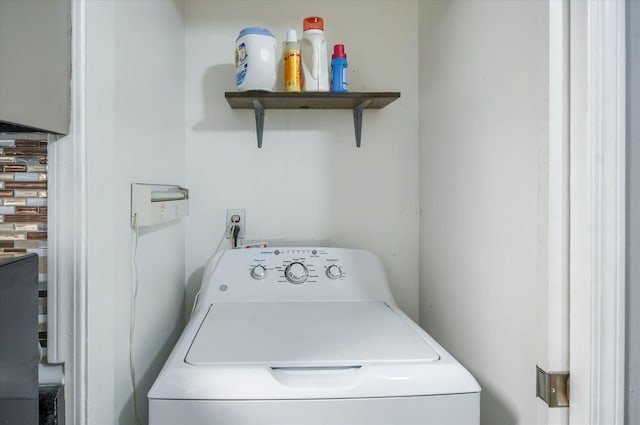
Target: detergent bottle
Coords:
[(313, 49), (255, 60), (291, 62), (339, 69)]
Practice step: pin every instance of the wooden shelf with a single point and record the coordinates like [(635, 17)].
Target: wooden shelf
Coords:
[(356, 101), (309, 100)]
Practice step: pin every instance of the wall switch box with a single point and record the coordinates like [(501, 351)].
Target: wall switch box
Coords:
[(153, 204)]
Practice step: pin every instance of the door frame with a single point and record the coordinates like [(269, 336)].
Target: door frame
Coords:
[(597, 210), (68, 317)]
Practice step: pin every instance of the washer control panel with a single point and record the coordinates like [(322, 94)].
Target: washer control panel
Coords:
[(294, 273), (295, 265)]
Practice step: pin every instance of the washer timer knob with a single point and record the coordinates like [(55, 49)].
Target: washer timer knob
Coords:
[(296, 273), (258, 272), (334, 272)]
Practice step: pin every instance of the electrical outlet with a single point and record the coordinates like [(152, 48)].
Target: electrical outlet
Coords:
[(236, 214)]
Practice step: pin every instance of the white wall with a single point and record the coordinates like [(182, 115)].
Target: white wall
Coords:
[(308, 181), (135, 133), (483, 118)]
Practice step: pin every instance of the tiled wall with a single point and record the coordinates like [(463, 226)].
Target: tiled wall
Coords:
[(23, 209)]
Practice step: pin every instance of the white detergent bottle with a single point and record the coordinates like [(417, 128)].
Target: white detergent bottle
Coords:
[(255, 60), (313, 49)]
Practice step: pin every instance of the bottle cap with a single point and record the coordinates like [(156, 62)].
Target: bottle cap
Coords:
[(338, 51), (292, 36), (256, 31), (313, 23)]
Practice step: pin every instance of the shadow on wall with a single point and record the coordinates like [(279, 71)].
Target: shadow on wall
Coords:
[(144, 383), (180, 8), (494, 411), (191, 289), (218, 115)]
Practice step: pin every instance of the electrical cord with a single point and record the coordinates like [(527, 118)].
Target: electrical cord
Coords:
[(132, 323), (235, 231), (228, 231)]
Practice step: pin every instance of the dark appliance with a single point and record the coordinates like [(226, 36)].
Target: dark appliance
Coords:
[(19, 353)]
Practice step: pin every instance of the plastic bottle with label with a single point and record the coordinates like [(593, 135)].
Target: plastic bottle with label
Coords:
[(315, 66), (291, 62), (255, 60), (339, 69)]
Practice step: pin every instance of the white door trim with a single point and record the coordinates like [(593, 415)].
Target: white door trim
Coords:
[(553, 215), (608, 143), (68, 234), (597, 248), (80, 281)]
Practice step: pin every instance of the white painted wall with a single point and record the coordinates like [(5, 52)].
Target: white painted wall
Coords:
[(483, 118), (308, 181), (135, 133)]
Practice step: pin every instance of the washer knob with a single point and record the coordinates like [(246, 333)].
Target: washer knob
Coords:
[(296, 273), (334, 272), (258, 272)]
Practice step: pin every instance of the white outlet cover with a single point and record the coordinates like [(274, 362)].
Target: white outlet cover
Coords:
[(243, 224)]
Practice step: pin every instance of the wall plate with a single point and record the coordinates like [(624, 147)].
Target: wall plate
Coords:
[(242, 223)]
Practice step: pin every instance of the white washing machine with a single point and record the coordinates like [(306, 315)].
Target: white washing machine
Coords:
[(305, 335)]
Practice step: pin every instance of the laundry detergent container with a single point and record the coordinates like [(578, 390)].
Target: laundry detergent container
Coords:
[(255, 60)]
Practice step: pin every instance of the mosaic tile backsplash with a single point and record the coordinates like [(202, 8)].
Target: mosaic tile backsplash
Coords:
[(23, 210)]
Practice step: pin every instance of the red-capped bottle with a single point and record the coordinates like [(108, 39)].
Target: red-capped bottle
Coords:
[(315, 66), (339, 69)]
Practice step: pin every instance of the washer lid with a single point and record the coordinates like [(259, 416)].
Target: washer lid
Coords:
[(307, 334)]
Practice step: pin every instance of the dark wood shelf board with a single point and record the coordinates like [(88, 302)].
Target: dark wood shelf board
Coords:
[(310, 100)]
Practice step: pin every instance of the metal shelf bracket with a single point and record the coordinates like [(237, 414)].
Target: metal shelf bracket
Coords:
[(259, 111), (357, 120)]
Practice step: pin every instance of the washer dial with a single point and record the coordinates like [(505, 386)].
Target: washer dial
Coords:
[(258, 272), (296, 272), (334, 272)]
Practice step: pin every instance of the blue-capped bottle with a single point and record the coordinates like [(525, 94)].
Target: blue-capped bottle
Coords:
[(339, 69)]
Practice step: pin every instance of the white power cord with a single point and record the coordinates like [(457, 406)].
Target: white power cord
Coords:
[(132, 323), (229, 228), (134, 264)]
